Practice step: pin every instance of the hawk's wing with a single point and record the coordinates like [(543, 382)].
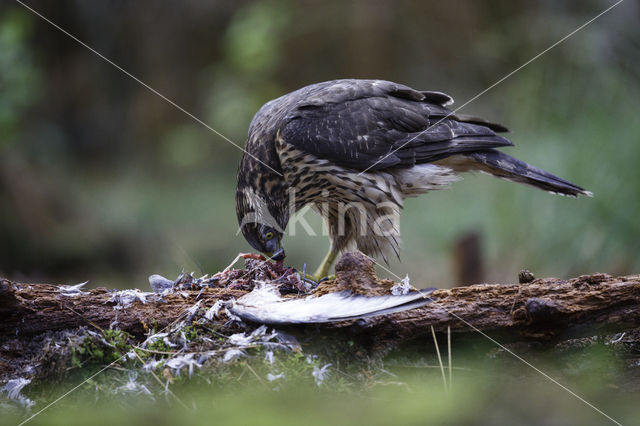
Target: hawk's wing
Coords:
[(379, 124)]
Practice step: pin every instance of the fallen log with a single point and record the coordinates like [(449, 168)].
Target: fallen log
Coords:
[(29, 309), (544, 309)]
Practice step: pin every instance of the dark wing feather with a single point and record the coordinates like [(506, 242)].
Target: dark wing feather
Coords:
[(378, 126), (481, 121)]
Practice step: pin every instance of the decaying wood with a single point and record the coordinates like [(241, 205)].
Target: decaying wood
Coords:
[(28, 309), (544, 309)]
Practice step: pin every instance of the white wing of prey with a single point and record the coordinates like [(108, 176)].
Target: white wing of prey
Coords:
[(265, 305)]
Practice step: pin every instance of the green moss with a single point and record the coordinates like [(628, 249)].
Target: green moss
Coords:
[(104, 348), (190, 333), (159, 345)]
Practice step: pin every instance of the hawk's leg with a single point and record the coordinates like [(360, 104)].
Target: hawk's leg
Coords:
[(325, 266)]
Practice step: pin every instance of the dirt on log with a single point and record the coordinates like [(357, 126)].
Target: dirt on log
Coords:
[(543, 309)]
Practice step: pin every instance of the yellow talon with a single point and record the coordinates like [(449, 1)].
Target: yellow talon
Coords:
[(325, 266)]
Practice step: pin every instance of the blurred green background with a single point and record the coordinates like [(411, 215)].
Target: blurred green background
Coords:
[(102, 180)]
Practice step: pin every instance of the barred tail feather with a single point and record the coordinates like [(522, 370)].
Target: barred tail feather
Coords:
[(504, 166)]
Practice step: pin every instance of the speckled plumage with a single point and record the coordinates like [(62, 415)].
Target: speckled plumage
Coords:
[(369, 142)]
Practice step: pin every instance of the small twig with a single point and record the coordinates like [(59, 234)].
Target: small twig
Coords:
[(435, 341), (241, 375), (183, 352), (257, 377), (345, 373), (449, 354), (228, 268), (152, 351), (434, 366), (389, 373), (212, 331), (82, 316)]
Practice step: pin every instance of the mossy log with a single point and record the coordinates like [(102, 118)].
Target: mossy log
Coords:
[(541, 310)]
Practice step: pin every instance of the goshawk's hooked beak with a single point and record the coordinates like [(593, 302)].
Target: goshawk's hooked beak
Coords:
[(278, 255)]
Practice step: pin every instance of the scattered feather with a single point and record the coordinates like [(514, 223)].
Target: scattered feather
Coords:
[(184, 341), (164, 336), (73, 290), (402, 288), (192, 310), (272, 377), (204, 357), (231, 315), (132, 387), (232, 354), (124, 298), (320, 374), (115, 322), (258, 335), (213, 310), (268, 356), (160, 284), (168, 342), (616, 338), (239, 339), (287, 341), (178, 363), (151, 365), (14, 387)]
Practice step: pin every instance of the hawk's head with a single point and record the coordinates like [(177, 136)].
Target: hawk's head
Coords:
[(265, 239), (262, 204), (257, 224)]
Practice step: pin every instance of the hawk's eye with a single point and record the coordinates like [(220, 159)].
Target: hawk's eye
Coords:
[(269, 235)]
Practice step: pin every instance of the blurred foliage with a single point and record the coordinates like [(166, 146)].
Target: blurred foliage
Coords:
[(19, 78), (101, 179), (405, 391)]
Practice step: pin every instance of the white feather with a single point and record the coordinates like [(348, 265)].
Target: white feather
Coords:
[(423, 178), (264, 305)]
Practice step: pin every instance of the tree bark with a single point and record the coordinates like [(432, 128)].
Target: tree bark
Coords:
[(29, 309), (545, 309)]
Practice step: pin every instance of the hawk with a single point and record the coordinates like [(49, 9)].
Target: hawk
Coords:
[(354, 150)]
